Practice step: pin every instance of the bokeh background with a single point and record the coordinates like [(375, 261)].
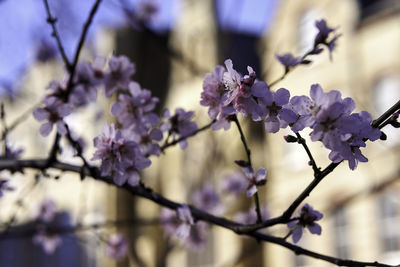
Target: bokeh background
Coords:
[(173, 47)]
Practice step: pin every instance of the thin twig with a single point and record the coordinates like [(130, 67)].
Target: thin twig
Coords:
[(81, 42), (52, 21), (71, 67), (79, 151), (278, 80), (301, 251), (22, 117), (5, 127), (288, 69), (379, 122), (176, 141), (243, 139), (54, 149), (302, 141), (248, 153)]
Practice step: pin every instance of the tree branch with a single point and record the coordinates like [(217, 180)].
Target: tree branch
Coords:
[(312, 162), (248, 153), (174, 142), (82, 41), (379, 122), (147, 193), (52, 21)]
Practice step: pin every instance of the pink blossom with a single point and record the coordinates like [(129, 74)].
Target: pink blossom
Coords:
[(120, 158), (235, 184), (53, 112), (134, 110), (206, 198), (47, 211), (117, 247), (118, 75), (308, 217), (254, 180), (49, 242), (179, 125), (186, 221)]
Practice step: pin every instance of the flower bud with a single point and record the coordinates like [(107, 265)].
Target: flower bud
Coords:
[(241, 163), (290, 138)]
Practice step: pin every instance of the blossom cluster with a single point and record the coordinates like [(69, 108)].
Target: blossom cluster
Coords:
[(121, 158), (329, 116), (123, 150), (332, 122), (228, 93), (326, 37)]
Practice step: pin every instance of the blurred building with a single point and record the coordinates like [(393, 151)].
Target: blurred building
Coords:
[(77, 201), (360, 220), (361, 207)]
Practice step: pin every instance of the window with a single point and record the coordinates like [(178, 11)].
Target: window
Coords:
[(371, 8), (22, 251), (341, 233), (386, 93), (389, 222)]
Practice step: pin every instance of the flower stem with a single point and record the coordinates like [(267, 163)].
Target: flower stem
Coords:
[(302, 141), (248, 153)]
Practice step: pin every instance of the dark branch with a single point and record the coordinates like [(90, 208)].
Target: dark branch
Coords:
[(196, 213), (301, 251), (248, 153), (176, 141), (379, 122), (82, 41), (302, 141), (52, 21)]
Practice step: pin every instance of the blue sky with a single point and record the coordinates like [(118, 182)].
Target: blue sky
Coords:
[(24, 24), (246, 16)]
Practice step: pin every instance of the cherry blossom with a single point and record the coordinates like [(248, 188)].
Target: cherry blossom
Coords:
[(179, 125), (134, 110), (53, 112), (206, 198), (254, 180), (118, 75), (121, 158), (117, 247), (307, 218), (235, 183), (48, 241), (288, 60)]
